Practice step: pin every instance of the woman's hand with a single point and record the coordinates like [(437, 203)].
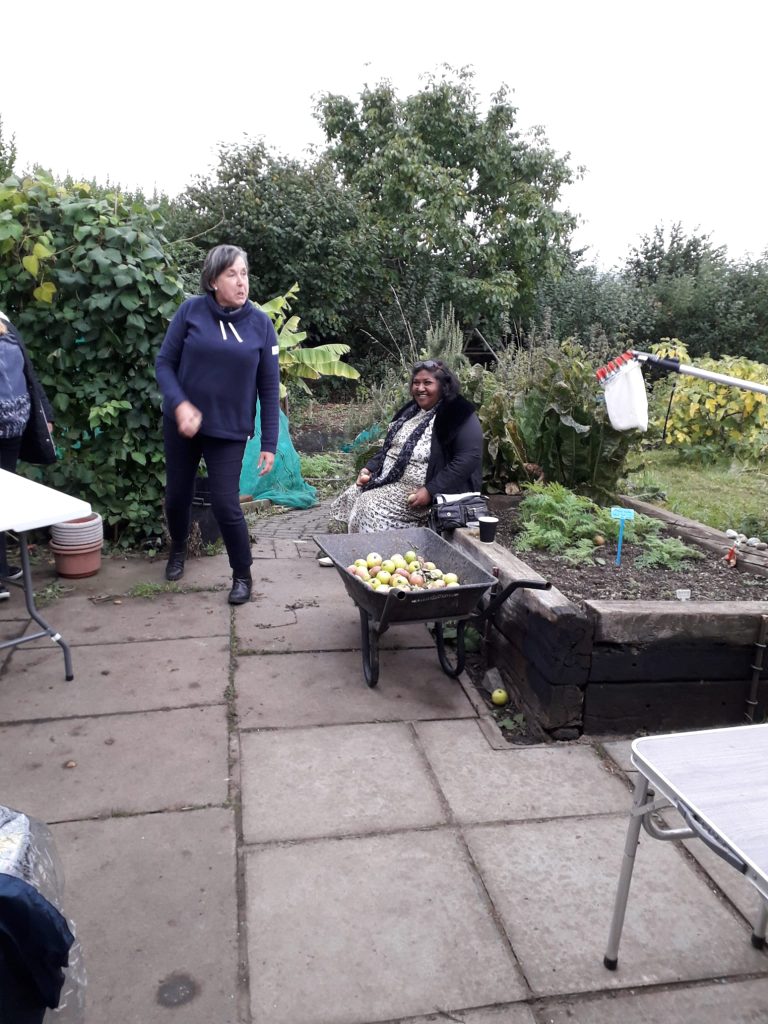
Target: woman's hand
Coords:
[(188, 419), (420, 498), (265, 463), (363, 477)]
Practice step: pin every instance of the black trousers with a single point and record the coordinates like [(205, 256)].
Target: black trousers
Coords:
[(9, 456), (223, 460)]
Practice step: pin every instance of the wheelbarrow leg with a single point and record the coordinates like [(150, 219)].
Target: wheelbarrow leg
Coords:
[(370, 646), (451, 669)]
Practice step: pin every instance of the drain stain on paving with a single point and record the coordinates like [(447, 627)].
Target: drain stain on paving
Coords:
[(176, 990)]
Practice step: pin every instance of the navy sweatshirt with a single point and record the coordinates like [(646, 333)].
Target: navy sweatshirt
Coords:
[(221, 360)]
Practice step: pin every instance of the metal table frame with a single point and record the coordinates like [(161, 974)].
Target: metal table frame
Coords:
[(717, 780), (24, 506)]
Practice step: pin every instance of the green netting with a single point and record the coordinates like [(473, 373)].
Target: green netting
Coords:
[(285, 484)]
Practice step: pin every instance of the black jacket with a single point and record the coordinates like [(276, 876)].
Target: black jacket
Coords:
[(456, 458)]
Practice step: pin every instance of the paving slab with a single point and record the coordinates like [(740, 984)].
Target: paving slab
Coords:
[(741, 893), (554, 883), (302, 626), (165, 616), (113, 678), (731, 1002), (160, 760), (291, 690), (483, 784), (153, 901), (344, 780), (349, 930)]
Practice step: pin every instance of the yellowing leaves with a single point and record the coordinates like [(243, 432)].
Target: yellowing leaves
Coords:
[(45, 291), (31, 264)]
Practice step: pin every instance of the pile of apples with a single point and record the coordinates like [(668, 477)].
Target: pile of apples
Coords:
[(403, 572)]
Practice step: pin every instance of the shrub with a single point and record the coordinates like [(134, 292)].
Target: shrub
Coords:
[(88, 282), (705, 420)]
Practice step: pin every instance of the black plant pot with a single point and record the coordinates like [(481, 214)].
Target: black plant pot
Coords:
[(202, 513)]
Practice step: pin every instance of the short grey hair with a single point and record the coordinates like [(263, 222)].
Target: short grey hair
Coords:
[(217, 261)]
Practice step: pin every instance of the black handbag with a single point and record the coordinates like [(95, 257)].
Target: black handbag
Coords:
[(450, 511), (37, 445)]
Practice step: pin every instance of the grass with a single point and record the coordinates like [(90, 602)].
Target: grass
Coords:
[(725, 495), (150, 590)]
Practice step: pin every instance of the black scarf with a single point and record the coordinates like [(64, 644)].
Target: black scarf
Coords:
[(402, 460)]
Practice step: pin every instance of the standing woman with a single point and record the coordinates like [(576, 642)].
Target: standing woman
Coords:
[(26, 419), (219, 355)]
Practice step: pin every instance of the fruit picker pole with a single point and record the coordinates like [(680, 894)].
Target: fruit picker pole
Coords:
[(675, 366)]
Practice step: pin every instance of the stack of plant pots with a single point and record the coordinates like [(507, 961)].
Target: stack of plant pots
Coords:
[(76, 546)]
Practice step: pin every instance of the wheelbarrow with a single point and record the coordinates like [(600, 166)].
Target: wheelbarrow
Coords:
[(459, 605)]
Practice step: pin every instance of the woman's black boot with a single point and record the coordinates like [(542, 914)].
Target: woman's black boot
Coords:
[(241, 589), (174, 570)]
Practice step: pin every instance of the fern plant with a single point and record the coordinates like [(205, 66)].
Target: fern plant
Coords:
[(555, 519)]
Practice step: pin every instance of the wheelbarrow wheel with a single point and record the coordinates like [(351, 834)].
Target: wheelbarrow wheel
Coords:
[(370, 649), (455, 667)]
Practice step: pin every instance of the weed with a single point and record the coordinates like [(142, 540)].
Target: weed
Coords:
[(150, 590), (52, 592)]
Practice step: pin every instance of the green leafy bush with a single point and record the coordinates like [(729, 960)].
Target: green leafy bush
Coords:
[(706, 420), (542, 412), (88, 282)]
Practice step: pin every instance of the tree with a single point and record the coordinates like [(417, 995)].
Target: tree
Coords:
[(7, 154), (296, 222), (463, 206), (656, 258)]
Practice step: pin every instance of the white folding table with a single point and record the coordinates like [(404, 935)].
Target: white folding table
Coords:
[(25, 506), (718, 781)]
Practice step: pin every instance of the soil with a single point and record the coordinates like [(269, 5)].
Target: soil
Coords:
[(708, 579)]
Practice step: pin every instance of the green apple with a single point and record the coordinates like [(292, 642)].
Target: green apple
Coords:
[(388, 565), (410, 556), (450, 577), (373, 558)]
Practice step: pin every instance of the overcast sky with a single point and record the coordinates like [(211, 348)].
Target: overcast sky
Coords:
[(664, 103)]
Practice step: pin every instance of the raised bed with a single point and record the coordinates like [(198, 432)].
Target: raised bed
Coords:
[(624, 666)]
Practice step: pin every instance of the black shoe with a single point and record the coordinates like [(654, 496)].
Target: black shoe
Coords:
[(175, 568), (13, 572), (241, 591)]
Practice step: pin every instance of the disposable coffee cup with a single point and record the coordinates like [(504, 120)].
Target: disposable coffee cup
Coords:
[(488, 526)]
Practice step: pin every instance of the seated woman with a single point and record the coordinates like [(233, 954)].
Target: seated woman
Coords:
[(434, 445)]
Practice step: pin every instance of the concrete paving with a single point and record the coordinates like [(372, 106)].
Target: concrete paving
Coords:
[(250, 835)]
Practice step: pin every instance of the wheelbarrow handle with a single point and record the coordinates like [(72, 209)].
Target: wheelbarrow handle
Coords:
[(498, 599)]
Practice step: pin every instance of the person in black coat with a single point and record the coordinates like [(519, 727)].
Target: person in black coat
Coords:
[(26, 420), (434, 445)]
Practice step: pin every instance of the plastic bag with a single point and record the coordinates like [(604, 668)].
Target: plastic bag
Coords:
[(28, 853), (626, 398)]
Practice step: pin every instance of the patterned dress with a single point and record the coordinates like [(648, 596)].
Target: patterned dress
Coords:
[(387, 508)]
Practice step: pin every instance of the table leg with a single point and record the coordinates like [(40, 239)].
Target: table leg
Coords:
[(611, 958), (758, 935), (29, 597)]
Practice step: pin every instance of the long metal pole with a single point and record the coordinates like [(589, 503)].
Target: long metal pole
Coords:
[(675, 366)]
